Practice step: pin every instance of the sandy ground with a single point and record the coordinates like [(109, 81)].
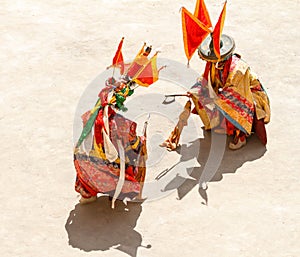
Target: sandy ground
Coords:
[(52, 50)]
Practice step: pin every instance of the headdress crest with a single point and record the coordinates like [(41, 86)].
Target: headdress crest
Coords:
[(198, 33)]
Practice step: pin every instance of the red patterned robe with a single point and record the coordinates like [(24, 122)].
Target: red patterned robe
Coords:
[(95, 173)]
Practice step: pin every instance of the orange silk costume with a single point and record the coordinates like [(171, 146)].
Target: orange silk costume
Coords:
[(231, 98)]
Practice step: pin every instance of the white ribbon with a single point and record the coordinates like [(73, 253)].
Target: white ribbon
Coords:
[(111, 152), (122, 173)]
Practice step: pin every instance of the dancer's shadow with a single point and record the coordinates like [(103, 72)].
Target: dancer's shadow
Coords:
[(215, 159), (97, 226)]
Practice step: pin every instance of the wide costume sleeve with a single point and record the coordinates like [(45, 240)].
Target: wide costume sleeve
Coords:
[(235, 101), (261, 99)]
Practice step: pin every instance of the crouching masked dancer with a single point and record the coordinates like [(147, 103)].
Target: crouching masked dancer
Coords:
[(229, 97), (107, 160), (109, 157)]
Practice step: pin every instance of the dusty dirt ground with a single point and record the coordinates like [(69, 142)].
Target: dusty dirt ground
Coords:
[(52, 50)]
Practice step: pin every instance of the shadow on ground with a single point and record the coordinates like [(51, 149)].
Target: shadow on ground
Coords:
[(97, 226), (227, 161)]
